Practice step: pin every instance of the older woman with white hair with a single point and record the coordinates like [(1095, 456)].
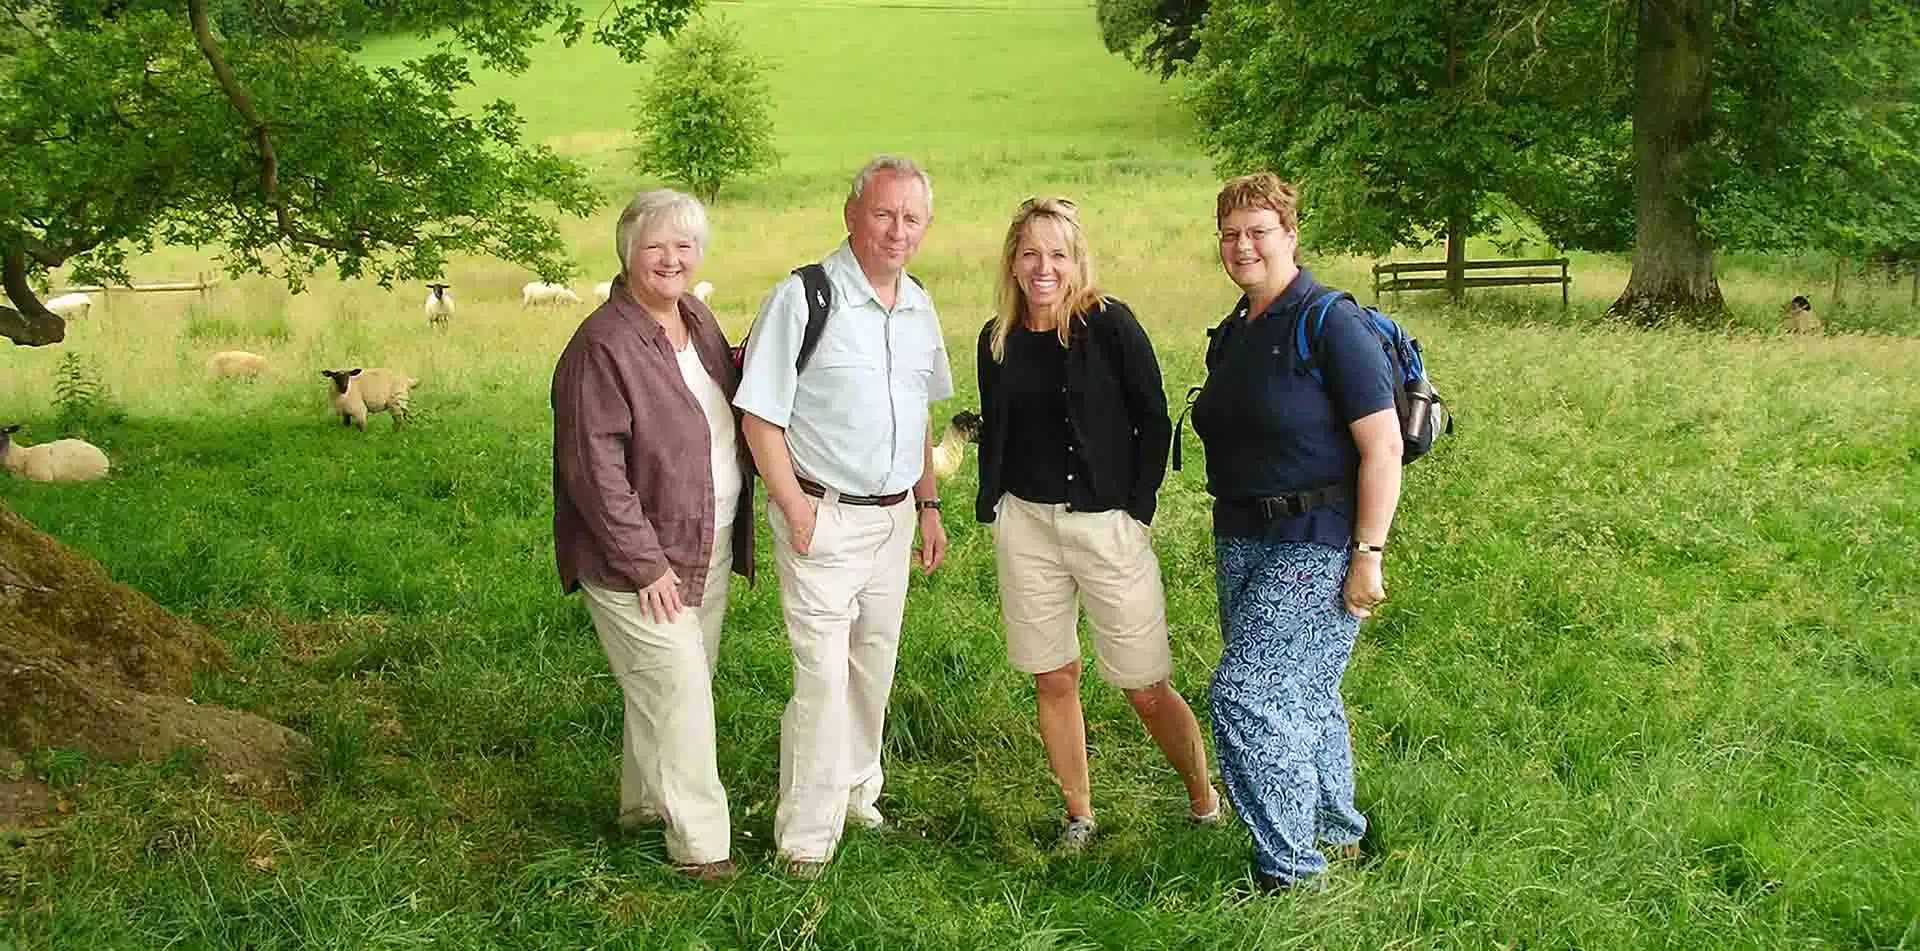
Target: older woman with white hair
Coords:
[(652, 514)]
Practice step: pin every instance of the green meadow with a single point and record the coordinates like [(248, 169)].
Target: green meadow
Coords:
[(1649, 675)]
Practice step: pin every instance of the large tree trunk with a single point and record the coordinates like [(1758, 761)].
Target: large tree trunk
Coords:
[(1672, 90), (31, 324)]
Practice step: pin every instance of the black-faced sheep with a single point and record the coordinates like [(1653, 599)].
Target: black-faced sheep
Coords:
[(952, 450), (439, 304), (1798, 317), (357, 392), (63, 460), (71, 306), (540, 292)]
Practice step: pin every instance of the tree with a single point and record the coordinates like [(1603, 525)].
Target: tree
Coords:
[(1684, 128), (705, 116), (135, 122), (1154, 34)]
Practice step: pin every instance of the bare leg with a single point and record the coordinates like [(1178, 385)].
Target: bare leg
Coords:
[(1063, 731), (1174, 728)]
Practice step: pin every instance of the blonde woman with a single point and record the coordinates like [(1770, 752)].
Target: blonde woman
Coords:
[(1073, 447)]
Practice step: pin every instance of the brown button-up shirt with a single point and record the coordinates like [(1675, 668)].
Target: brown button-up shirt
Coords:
[(632, 455)]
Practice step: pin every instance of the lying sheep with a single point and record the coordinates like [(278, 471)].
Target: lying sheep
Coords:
[(439, 305), (602, 291), (63, 460), (357, 392), (1798, 317), (702, 291), (952, 450), (70, 306), (540, 292), (236, 363)]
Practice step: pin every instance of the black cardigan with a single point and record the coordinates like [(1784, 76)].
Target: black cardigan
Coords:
[(1115, 407)]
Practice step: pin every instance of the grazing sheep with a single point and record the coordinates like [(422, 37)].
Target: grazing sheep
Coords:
[(1798, 317), (357, 392), (439, 304), (63, 460), (702, 291), (236, 363), (602, 291), (540, 292), (70, 306), (952, 450)]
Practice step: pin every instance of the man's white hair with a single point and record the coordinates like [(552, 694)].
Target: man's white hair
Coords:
[(661, 207), (891, 165)]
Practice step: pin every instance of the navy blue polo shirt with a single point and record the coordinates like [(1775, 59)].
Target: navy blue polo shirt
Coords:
[(1271, 429)]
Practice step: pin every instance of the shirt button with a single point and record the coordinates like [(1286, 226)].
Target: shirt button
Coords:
[(1069, 477)]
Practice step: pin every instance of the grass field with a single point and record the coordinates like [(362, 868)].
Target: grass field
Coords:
[(1649, 676)]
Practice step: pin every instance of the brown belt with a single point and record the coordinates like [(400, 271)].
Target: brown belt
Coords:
[(818, 491)]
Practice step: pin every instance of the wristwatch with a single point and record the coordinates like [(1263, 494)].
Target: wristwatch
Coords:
[(1363, 548), (921, 505)]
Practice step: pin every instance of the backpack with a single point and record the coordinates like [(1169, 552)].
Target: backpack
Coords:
[(1423, 414), (819, 293)]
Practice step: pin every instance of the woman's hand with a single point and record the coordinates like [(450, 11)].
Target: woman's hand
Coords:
[(661, 599), (1365, 587)]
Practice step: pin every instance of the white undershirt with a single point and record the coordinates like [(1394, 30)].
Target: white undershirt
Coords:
[(726, 461)]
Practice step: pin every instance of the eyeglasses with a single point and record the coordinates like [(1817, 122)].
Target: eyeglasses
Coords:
[(1232, 236)]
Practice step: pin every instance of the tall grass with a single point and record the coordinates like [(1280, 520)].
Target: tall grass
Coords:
[(1648, 677)]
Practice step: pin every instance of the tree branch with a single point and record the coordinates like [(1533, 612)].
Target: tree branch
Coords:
[(243, 104), (32, 325)]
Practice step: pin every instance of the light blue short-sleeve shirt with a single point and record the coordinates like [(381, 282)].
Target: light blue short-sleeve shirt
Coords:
[(856, 420)]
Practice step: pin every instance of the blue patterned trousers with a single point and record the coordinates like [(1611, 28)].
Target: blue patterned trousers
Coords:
[(1279, 728)]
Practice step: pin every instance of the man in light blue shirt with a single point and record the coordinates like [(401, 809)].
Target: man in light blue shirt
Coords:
[(841, 446)]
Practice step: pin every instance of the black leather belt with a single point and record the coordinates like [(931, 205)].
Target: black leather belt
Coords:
[(1294, 505), (819, 491)]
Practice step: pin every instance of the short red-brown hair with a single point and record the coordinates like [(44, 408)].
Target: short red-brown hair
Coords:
[(1260, 190)]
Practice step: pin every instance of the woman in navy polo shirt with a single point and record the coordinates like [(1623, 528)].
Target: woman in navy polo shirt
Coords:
[(1073, 447), (1304, 469)]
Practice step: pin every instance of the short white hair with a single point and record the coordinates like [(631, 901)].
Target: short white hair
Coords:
[(661, 207), (891, 165)]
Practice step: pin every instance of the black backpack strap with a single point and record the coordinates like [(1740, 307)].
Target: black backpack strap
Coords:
[(1193, 393), (819, 294)]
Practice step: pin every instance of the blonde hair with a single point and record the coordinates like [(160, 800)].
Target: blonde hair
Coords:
[(1260, 190), (1081, 297)]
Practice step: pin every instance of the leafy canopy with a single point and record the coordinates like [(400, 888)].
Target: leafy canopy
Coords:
[(705, 116)]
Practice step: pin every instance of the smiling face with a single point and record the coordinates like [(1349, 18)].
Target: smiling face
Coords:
[(1046, 266), (886, 223), (1257, 249), (660, 266)]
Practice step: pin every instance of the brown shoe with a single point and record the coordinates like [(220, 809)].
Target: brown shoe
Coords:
[(709, 871), (804, 870)]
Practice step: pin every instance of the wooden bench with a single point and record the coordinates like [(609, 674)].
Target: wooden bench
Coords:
[(1391, 276)]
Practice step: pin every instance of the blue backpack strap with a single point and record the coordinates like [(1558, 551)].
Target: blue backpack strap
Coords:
[(1307, 332)]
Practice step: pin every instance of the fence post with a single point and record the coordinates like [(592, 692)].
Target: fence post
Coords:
[(1565, 283)]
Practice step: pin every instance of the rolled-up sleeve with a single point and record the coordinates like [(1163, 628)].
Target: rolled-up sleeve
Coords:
[(593, 424), (768, 378)]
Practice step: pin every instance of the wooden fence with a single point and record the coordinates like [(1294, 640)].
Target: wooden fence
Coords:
[(1388, 276)]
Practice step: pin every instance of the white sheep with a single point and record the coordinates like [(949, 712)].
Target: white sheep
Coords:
[(702, 291), (439, 305), (602, 291), (63, 460), (1798, 317), (540, 292), (236, 363), (357, 392), (70, 306), (952, 450)]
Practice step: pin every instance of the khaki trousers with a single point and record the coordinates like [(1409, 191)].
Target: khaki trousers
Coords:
[(668, 763), (844, 601)]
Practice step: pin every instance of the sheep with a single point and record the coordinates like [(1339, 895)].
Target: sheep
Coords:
[(439, 305), (357, 392), (602, 291), (70, 306), (236, 363), (63, 460), (540, 292), (952, 450), (702, 291), (1798, 317)]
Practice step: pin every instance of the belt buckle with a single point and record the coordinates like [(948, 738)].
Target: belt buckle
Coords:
[(1282, 506)]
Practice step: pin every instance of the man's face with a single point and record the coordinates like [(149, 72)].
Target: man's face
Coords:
[(887, 222)]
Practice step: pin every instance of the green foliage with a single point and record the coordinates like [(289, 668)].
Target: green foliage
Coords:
[(705, 116), (1153, 34), (80, 398)]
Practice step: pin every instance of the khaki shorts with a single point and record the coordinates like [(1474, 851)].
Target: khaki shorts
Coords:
[(1050, 560)]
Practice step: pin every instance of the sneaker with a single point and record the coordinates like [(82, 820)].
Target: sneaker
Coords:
[(866, 817), (804, 870), (1078, 834), (1211, 817), (709, 871)]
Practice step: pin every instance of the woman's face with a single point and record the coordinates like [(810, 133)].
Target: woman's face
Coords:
[(1255, 249), (662, 264), (1044, 264)]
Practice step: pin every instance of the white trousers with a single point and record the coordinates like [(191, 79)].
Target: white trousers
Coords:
[(668, 763), (844, 601)]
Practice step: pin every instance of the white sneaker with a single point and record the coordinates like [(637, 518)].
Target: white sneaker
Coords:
[(866, 817)]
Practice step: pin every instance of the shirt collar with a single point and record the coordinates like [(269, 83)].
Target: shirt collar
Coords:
[(845, 269), (1297, 294)]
